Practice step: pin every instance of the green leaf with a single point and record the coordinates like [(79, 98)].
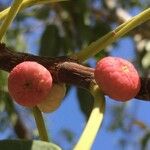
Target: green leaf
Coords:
[(145, 140), (42, 13), (9, 105), (50, 41), (100, 29), (86, 101), (103, 53), (3, 79), (27, 145)]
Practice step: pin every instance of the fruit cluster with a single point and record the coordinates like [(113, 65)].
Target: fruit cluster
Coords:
[(30, 84)]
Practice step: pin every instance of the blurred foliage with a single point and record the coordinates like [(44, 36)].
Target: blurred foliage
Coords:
[(65, 28), (118, 113), (86, 101), (27, 145), (145, 140), (49, 39), (68, 134)]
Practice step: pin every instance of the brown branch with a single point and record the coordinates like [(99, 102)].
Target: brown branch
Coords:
[(73, 73), (63, 69)]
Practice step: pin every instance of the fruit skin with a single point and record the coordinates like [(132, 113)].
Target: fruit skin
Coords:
[(117, 78), (54, 99), (29, 83)]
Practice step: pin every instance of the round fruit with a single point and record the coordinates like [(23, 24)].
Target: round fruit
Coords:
[(117, 78), (54, 99), (29, 83)]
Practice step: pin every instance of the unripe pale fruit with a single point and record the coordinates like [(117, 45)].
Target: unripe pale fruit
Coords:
[(117, 78), (29, 83), (54, 99)]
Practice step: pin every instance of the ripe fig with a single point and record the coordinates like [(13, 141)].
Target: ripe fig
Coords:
[(117, 78), (29, 83)]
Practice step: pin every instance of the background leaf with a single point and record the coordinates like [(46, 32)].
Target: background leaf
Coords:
[(50, 41), (27, 145), (86, 101)]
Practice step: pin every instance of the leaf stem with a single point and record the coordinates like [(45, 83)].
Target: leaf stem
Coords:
[(112, 36), (89, 134), (40, 124), (10, 16), (28, 3)]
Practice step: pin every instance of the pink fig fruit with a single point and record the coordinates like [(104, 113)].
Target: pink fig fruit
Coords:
[(29, 83), (117, 78)]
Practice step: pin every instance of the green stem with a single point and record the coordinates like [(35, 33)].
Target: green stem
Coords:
[(28, 3), (139, 19), (112, 36), (89, 134), (10, 16), (40, 124)]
